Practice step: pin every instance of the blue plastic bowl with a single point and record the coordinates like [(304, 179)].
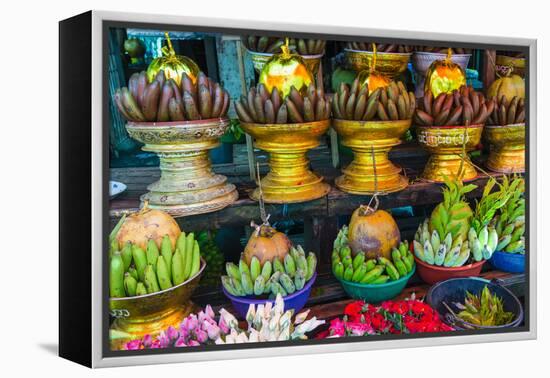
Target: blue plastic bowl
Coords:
[(508, 262), (376, 293), (454, 290), (296, 300)]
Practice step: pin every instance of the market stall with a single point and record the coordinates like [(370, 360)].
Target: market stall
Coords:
[(404, 176)]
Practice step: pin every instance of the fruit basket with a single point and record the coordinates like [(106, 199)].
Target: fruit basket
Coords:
[(445, 145), (445, 296), (152, 313), (376, 293), (187, 184), (390, 64), (270, 267), (432, 274), (295, 301), (371, 124)]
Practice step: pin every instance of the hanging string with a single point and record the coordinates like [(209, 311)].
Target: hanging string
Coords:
[(263, 215), (375, 194), (373, 66)]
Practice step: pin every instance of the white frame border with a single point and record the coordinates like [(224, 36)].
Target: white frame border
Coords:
[(97, 191)]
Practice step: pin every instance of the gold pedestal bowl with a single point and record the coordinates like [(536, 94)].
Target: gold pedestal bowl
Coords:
[(371, 142), (289, 179), (445, 144), (155, 312), (507, 143), (260, 59), (187, 184), (389, 64)]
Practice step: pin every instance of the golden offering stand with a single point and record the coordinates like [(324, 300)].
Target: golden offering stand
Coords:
[(187, 184), (371, 171), (259, 60), (289, 179), (507, 143), (448, 147), (388, 64), (152, 313)]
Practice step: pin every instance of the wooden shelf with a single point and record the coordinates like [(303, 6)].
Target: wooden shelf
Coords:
[(409, 156)]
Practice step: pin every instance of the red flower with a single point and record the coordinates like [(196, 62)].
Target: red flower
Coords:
[(354, 309)]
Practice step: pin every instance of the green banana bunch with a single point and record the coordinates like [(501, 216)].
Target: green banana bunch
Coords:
[(273, 277), (431, 249), (134, 272), (510, 219), (369, 271)]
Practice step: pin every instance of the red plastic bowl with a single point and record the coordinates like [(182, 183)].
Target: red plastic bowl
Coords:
[(432, 273)]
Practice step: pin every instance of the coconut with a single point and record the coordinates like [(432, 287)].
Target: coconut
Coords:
[(373, 232), (266, 243), (138, 228)]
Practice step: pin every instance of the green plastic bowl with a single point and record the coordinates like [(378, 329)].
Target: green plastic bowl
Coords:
[(376, 293)]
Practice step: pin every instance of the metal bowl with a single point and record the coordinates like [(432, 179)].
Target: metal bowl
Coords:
[(454, 290), (195, 133), (260, 59), (152, 313), (444, 143), (390, 64), (507, 143)]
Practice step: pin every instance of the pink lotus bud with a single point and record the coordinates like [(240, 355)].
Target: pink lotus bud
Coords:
[(212, 330), (133, 345), (172, 333), (193, 343), (209, 312), (223, 326), (147, 341)]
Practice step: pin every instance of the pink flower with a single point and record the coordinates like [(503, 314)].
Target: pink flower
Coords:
[(337, 327), (147, 341), (156, 344), (212, 330), (359, 329), (223, 325), (180, 343), (202, 336), (209, 312), (133, 345), (193, 343), (163, 340), (172, 333)]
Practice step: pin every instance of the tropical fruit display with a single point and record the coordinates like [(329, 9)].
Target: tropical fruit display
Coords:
[(162, 99), (358, 102), (463, 106), (307, 104), (509, 86), (507, 111), (380, 47), (138, 267), (272, 277), (509, 220), (212, 255), (442, 239), (265, 44), (362, 269), (269, 265), (444, 76)]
